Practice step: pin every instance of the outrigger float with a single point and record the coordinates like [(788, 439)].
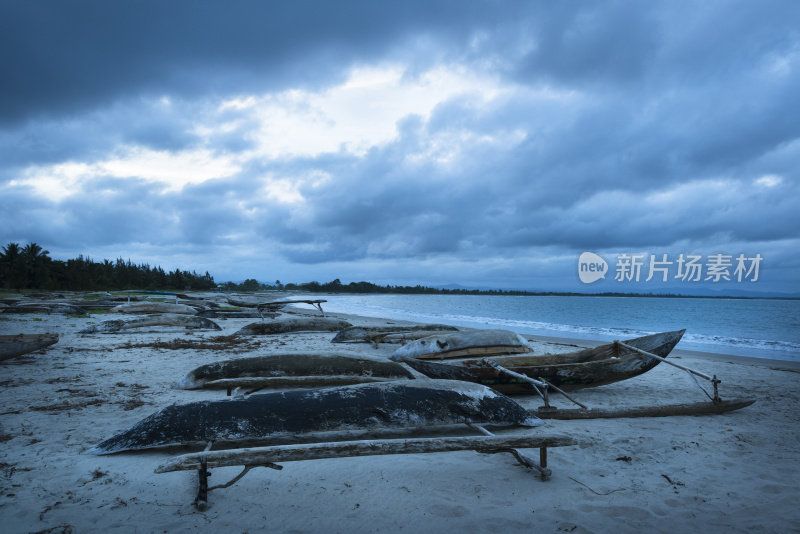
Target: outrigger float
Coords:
[(717, 405)]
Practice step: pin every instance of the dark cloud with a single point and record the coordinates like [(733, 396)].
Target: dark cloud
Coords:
[(60, 57), (616, 126)]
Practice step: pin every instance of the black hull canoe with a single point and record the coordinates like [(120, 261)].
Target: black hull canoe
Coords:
[(17, 345), (287, 416), (574, 370), (262, 371)]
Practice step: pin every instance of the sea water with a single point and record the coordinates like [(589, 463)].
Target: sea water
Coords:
[(761, 328)]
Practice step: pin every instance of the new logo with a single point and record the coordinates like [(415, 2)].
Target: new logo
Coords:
[(591, 267)]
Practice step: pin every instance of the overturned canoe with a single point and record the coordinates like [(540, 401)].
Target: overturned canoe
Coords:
[(464, 344), (573, 370), (164, 319), (17, 345), (390, 334), (288, 370), (290, 416), (284, 325), (154, 307)]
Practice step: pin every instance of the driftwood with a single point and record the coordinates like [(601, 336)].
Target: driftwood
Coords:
[(17, 345), (315, 451), (292, 370), (154, 307), (464, 344), (390, 334), (293, 324), (669, 410), (165, 319)]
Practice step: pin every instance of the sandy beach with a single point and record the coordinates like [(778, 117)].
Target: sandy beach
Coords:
[(735, 472)]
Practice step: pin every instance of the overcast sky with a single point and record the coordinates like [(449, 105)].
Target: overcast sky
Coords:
[(475, 143)]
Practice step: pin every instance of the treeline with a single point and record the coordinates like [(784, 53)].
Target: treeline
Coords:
[(30, 267), (336, 286)]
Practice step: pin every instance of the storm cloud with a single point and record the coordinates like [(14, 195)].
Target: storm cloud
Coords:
[(480, 143)]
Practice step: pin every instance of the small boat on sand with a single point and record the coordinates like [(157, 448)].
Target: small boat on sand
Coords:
[(17, 345), (284, 325), (411, 407), (390, 334), (574, 370), (468, 343), (293, 370)]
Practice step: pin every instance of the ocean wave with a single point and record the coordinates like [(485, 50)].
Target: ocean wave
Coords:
[(691, 341)]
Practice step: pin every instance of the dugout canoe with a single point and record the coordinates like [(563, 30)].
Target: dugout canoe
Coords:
[(410, 407), (390, 334), (285, 325), (573, 370), (293, 370), (162, 319), (19, 344), (470, 343)]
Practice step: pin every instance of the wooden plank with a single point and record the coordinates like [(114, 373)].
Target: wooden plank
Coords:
[(292, 453), (669, 410)]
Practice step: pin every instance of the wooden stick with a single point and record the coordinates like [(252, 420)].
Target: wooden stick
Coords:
[(535, 383), (527, 461), (651, 355), (562, 392), (292, 453)]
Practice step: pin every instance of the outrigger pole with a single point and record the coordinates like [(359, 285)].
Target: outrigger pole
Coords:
[(714, 380)]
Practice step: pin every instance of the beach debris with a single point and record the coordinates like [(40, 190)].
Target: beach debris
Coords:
[(283, 325), (293, 370), (463, 344), (164, 319), (413, 406)]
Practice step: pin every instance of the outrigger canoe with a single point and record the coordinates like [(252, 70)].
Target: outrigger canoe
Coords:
[(574, 370), (410, 408), (17, 345)]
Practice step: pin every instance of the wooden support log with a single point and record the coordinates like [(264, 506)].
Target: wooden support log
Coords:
[(291, 453), (697, 408)]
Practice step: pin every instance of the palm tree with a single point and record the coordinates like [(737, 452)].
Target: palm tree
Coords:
[(11, 273), (36, 269)]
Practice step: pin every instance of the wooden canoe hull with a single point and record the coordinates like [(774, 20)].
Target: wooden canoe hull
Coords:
[(293, 324), (390, 334), (464, 344), (380, 406), (291, 365), (602, 365), (161, 319), (17, 345)]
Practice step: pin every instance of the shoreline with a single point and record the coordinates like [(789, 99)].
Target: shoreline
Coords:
[(580, 342)]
